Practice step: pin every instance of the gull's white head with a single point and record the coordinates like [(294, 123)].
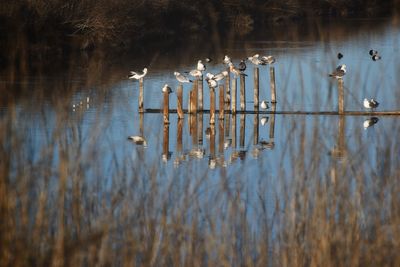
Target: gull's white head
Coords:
[(176, 73), (209, 75), (256, 55), (343, 67), (225, 73), (145, 70)]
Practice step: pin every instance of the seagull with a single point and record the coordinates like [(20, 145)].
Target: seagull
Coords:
[(182, 78), (207, 59), (166, 89), (255, 60), (339, 55), (137, 76), (372, 104), (211, 82), (369, 122), (264, 120), (227, 60), (242, 66), (210, 75), (264, 104), (234, 70), (339, 72), (267, 60), (196, 73), (201, 66), (376, 57), (138, 140), (220, 76)]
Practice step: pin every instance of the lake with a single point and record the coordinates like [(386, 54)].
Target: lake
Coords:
[(259, 189)]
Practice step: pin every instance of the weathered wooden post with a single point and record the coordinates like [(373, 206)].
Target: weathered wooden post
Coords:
[(179, 94), (341, 96), (227, 89), (212, 105), (141, 105), (234, 91), (166, 107), (272, 84), (242, 130), (256, 87), (165, 153), (179, 136), (227, 124), (221, 137), (242, 92), (272, 122), (212, 141), (141, 130), (256, 128), (200, 93), (193, 102), (221, 102)]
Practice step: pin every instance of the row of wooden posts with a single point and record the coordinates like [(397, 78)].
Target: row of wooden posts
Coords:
[(227, 96)]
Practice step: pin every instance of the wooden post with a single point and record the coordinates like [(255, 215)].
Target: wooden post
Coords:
[(272, 84), (166, 107), (234, 90), (242, 92), (200, 129), (200, 93), (221, 102), (179, 94), (256, 87), (212, 105), (141, 130), (190, 102), (227, 89), (272, 122), (179, 136), (227, 124), (242, 130), (212, 141), (341, 96), (141, 106), (234, 131), (256, 128), (165, 153), (221, 137)]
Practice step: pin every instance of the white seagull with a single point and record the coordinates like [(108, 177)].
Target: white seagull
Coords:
[(372, 104), (268, 60), (182, 78), (234, 70), (137, 76), (196, 73), (200, 66), (369, 122), (166, 89), (212, 83), (264, 104), (227, 60), (339, 72), (138, 140), (220, 76), (255, 60)]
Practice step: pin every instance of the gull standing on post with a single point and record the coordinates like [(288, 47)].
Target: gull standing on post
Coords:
[(268, 60), (255, 60), (137, 76), (166, 89), (234, 70), (339, 72), (181, 78), (227, 60), (200, 66), (196, 73), (220, 76), (242, 66)]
